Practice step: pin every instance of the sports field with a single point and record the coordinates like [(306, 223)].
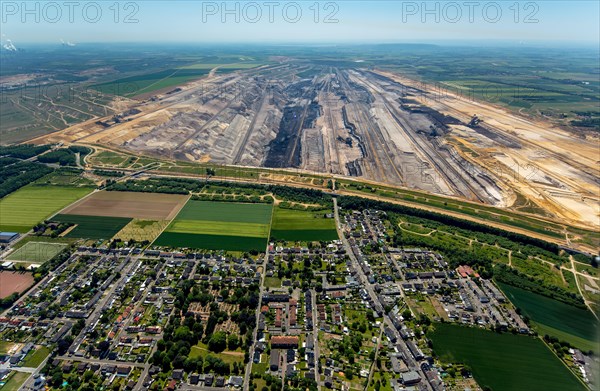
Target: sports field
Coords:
[(219, 226), (21, 210), (503, 362), (152, 206), (292, 225), (36, 252), (92, 227), (574, 325)]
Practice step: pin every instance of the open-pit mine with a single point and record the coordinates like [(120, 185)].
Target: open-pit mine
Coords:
[(364, 123)]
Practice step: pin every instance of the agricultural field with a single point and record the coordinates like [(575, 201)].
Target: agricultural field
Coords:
[(141, 230), (145, 83), (14, 282), (503, 362), (226, 212), (219, 225), (36, 252), (92, 227), (205, 227), (574, 325), (522, 84), (211, 242), (224, 67), (150, 206), (21, 210), (300, 225)]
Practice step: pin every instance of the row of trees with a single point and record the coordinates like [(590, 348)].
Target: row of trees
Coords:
[(185, 186), (455, 253), (16, 174), (158, 185), (62, 156), (23, 151)]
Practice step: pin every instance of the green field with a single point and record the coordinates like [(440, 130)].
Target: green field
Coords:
[(35, 358), (228, 357), (219, 226), (15, 381), (109, 158), (211, 242), (205, 227), (136, 85), (140, 230), (37, 252), (224, 67), (574, 325), (21, 210), (503, 361), (6, 346), (289, 224), (272, 282), (92, 227), (226, 212)]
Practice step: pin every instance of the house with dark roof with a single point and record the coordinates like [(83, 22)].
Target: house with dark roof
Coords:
[(275, 359), (123, 371), (236, 381)]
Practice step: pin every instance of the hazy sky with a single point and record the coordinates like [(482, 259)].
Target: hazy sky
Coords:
[(299, 21)]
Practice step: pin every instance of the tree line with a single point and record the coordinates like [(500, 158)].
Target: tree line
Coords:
[(351, 202), (16, 174)]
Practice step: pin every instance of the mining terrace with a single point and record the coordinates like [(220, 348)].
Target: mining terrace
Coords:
[(361, 123)]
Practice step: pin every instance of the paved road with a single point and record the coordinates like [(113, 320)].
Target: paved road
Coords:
[(97, 313), (29, 383), (247, 373), (371, 291), (372, 370), (315, 334), (6, 365), (144, 373)]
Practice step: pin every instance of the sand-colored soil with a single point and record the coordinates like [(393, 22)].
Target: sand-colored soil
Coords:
[(149, 206)]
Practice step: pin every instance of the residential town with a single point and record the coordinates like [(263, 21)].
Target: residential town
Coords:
[(336, 315)]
